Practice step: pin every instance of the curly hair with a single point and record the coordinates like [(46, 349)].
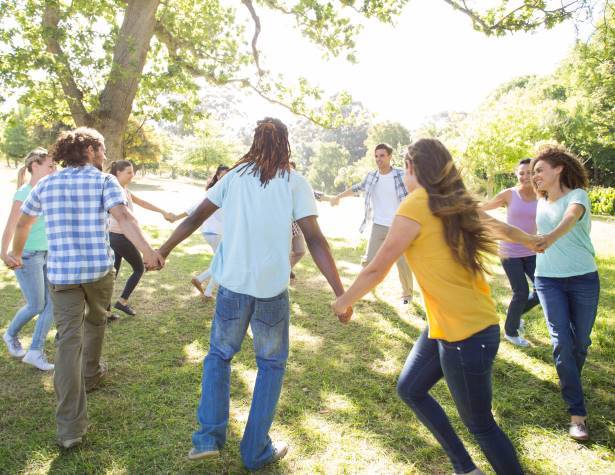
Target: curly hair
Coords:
[(270, 151), (449, 200), (70, 148), (573, 173)]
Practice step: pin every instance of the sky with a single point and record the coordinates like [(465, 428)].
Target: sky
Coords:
[(430, 61)]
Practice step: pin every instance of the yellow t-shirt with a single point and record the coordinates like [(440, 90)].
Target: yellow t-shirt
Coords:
[(458, 302)]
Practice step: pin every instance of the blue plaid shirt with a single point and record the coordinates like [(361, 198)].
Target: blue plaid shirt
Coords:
[(75, 203), (368, 185)]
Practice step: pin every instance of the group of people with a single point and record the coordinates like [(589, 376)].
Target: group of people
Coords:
[(423, 218)]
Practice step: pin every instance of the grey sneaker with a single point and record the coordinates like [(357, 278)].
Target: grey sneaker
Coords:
[(14, 346), (280, 449), (70, 443), (37, 359), (196, 454), (517, 340), (578, 431)]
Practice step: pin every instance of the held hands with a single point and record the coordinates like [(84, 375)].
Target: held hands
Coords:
[(334, 201), (539, 243), (12, 261), (343, 312), (170, 217), (153, 260)]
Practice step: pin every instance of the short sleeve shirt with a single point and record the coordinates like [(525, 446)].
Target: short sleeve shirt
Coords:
[(75, 203), (458, 303), (37, 240), (253, 258), (573, 253)]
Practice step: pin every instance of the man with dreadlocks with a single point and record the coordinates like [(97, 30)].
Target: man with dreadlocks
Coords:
[(261, 197)]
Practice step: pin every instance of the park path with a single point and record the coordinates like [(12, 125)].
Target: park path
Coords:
[(340, 222)]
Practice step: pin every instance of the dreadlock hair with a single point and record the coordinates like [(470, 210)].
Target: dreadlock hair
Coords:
[(70, 150), (573, 174), (38, 155), (269, 153), (449, 200), (214, 179)]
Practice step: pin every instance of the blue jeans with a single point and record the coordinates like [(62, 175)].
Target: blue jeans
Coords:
[(517, 268), (32, 278), (466, 367), (570, 305), (269, 319)]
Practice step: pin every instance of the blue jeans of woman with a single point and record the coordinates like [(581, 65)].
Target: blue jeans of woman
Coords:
[(32, 278), (466, 367), (570, 305), (517, 268), (269, 320)]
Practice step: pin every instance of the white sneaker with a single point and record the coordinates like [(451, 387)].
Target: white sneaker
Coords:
[(521, 326), (37, 359), (14, 346), (517, 340)]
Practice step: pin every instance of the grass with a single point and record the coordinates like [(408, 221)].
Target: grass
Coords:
[(338, 409)]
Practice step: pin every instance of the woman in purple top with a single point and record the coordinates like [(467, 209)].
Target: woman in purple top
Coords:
[(517, 260)]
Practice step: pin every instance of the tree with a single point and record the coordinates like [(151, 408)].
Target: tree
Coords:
[(96, 63), (328, 159), (392, 133), (16, 141)]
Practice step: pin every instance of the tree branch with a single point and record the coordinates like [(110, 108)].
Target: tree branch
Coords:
[(74, 95), (257, 31)]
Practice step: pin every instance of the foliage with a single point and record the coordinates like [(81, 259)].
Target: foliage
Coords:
[(326, 162), (602, 200)]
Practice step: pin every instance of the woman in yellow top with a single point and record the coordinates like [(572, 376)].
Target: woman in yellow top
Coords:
[(444, 236)]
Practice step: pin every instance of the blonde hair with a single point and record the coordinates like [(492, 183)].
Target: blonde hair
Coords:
[(38, 155)]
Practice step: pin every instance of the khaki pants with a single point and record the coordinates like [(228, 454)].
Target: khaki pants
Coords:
[(379, 233), (80, 314)]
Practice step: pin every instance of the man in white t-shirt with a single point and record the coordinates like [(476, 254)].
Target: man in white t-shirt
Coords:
[(384, 190)]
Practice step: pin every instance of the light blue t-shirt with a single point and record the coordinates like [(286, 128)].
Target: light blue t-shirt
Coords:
[(573, 253), (253, 257)]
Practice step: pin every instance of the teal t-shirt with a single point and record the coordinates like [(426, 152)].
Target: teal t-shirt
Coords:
[(253, 257), (573, 253), (37, 239)]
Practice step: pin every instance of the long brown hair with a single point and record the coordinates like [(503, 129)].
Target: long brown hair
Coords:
[(270, 151), (119, 166), (573, 174), (449, 200), (70, 148), (214, 179), (38, 155)]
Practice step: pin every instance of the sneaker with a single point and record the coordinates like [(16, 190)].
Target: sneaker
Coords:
[(280, 449), (37, 359), (14, 346), (197, 283), (578, 431), (70, 443), (406, 300), (112, 317), (127, 309), (292, 275), (196, 454), (517, 340), (89, 387)]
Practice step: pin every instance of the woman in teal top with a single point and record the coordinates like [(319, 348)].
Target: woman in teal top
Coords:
[(566, 276), (32, 276)]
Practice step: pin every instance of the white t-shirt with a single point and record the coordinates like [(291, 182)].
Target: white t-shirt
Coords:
[(384, 199), (212, 225)]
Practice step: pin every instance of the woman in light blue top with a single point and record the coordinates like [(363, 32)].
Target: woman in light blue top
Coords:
[(32, 276), (566, 274)]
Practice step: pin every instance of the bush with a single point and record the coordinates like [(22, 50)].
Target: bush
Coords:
[(602, 200)]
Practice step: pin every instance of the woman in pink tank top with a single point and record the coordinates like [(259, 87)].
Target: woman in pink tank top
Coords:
[(517, 260)]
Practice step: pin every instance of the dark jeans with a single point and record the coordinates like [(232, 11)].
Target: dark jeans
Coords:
[(466, 366), (123, 248), (570, 305), (522, 301)]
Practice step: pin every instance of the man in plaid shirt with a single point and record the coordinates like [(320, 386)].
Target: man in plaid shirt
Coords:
[(76, 203), (384, 190)]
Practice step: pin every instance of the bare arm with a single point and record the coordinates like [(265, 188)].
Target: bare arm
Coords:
[(188, 226), (147, 205), (336, 199), (24, 224), (572, 215), (507, 232), (403, 231), (9, 230), (321, 253), (130, 229), (498, 201), (175, 217)]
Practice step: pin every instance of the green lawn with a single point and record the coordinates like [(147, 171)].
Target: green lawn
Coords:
[(338, 410)]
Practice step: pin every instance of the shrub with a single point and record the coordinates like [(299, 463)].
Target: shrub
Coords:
[(602, 200)]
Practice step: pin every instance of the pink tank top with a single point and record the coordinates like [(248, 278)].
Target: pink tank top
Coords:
[(522, 214)]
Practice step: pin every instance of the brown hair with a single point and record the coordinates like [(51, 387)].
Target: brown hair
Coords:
[(214, 179), (449, 200), (71, 145), (38, 155), (384, 146), (270, 151), (119, 166), (573, 173)]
